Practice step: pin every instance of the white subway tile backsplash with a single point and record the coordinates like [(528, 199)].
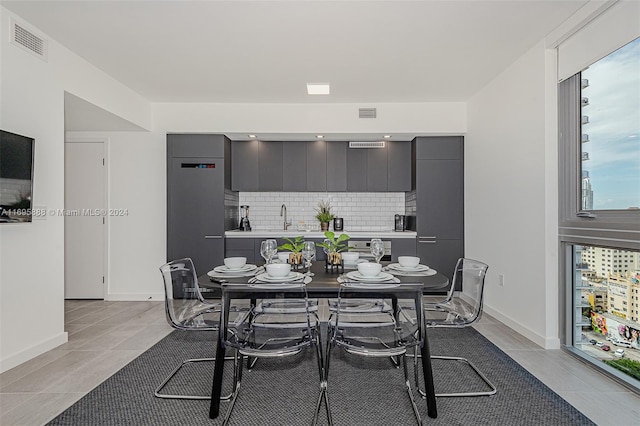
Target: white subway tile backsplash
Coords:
[(361, 211)]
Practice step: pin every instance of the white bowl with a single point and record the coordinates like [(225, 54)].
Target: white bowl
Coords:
[(350, 256), (369, 269), (408, 261), (278, 270), (283, 256), (235, 262)]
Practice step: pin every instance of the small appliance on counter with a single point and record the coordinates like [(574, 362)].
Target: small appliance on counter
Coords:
[(244, 219), (400, 223), (338, 224)]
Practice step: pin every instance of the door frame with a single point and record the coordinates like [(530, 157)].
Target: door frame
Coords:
[(78, 138)]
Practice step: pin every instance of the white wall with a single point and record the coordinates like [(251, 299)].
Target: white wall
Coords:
[(510, 195), (137, 240), (422, 118), (31, 255)]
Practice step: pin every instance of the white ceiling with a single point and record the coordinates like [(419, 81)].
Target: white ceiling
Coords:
[(266, 51)]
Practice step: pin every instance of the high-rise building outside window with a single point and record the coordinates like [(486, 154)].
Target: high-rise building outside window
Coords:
[(610, 135)]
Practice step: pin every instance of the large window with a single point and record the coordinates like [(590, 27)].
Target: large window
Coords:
[(599, 218), (610, 137), (606, 308)]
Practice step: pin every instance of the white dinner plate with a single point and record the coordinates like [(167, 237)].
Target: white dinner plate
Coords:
[(223, 269), (398, 267), (426, 273), (382, 276), (292, 276), (239, 274), (355, 263)]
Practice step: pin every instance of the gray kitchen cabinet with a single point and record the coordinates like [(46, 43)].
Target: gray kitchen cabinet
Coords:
[(402, 247), (399, 166), (195, 145), (195, 199), (240, 247), (439, 148), (244, 165), (294, 163), (270, 166), (439, 186), (356, 170), (316, 166), (336, 166), (439, 198), (440, 254), (376, 169)]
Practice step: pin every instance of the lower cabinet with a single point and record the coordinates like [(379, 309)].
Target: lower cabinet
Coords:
[(240, 247), (402, 247), (440, 255)]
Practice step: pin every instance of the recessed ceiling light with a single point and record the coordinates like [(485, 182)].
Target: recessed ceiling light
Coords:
[(252, 136), (318, 88), (319, 136), (387, 136)]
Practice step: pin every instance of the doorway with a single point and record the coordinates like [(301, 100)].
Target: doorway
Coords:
[(85, 219)]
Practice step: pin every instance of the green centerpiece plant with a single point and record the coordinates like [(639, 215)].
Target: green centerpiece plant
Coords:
[(334, 246), (295, 246), (323, 214)]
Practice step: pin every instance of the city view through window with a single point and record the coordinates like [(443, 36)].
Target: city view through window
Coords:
[(610, 140), (607, 304)]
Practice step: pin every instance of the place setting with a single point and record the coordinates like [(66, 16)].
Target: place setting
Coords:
[(409, 266), (368, 273), (279, 273), (234, 267), (352, 259)]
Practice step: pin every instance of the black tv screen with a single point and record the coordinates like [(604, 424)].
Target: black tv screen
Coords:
[(16, 177)]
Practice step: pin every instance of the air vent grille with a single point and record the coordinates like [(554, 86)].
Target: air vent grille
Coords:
[(367, 113), (28, 41), (379, 144)]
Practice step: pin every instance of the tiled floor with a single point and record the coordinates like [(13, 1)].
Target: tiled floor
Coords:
[(105, 336)]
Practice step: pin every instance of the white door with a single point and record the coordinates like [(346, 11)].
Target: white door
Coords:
[(84, 222)]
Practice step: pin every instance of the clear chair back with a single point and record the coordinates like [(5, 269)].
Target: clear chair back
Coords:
[(465, 309), (185, 306)]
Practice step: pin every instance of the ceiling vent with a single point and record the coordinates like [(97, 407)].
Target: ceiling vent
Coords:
[(366, 144), (28, 41), (367, 113)]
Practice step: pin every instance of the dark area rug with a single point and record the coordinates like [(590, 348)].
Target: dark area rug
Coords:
[(284, 392)]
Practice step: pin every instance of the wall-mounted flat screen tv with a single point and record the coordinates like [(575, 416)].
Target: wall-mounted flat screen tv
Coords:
[(16, 177)]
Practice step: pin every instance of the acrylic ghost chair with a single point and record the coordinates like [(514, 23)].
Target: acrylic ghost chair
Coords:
[(371, 328), (459, 311), (186, 309), (284, 326)]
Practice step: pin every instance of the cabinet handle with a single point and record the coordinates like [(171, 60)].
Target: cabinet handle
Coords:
[(212, 237), (427, 242)]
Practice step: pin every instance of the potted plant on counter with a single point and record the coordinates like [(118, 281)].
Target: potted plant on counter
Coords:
[(323, 214), (295, 246), (333, 246)]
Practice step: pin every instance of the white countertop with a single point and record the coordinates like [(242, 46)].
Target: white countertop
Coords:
[(317, 234)]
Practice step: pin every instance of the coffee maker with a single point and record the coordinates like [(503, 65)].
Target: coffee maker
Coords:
[(244, 219), (400, 223)]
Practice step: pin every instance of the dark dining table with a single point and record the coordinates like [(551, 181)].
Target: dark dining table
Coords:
[(323, 285)]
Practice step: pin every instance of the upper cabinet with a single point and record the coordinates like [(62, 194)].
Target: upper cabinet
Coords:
[(270, 163), (320, 166), (244, 165), (336, 166), (316, 156), (399, 166), (294, 167)]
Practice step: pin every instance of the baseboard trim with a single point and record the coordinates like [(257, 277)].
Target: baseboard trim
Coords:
[(542, 341), (33, 351), (134, 297)]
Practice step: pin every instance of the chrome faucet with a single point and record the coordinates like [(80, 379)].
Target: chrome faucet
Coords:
[(283, 212)]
